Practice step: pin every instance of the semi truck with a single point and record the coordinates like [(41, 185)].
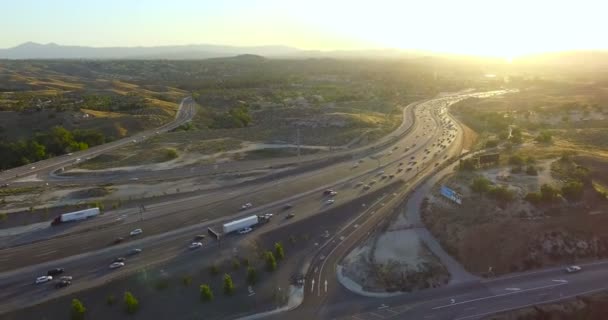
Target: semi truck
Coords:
[(75, 216), (240, 224)]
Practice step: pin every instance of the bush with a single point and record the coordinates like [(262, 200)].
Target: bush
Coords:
[(544, 137), (480, 184), (531, 170), (186, 280), (110, 300), (131, 303), (278, 248), (214, 269), (246, 262), (236, 264), (271, 262), (206, 292), (228, 285), (548, 193), (516, 160), (170, 153), (251, 276), (533, 197), (573, 190), (502, 194), (78, 310)]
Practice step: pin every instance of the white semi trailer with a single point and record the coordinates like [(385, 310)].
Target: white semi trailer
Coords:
[(75, 216), (240, 224)]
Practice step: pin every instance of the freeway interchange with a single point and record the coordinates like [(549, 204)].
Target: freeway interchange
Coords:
[(428, 139)]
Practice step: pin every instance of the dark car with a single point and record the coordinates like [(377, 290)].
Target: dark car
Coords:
[(199, 237), (287, 206), (119, 240), (55, 272), (119, 259), (328, 191), (289, 216), (63, 283)]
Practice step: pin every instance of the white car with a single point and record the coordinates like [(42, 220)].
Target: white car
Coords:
[(330, 201), (136, 232), (195, 245), (573, 269), (245, 230), (246, 206), (117, 265), (43, 279), (333, 194)]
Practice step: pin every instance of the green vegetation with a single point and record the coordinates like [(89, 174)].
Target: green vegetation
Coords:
[(516, 160), (56, 142), (531, 170), (271, 262), (480, 184), (572, 190), (251, 276), (467, 165), (501, 194), (131, 303), (206, 293), (544, 137), (228, 285), (278, 249), (110, 299), (214, 269), (78, 310), (186, 280), (236, 264)]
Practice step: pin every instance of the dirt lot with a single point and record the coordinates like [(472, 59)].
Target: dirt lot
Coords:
[(515, 235)]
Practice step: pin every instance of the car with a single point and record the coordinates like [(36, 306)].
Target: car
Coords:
[(289, 216), (400, 163), (381, 172), (133, 179), (119, 259), (55, 272), (366, 187), (32, 168), (573, 269), (65, 278), (400, 169), (136, 232), (327, 192), (408, 169), (390, 176), (360, 183), (245, 230), (5, 185), (372, 182), (412, 157), (43, 279), (287, 206), (195, 245), (395, 147), (118, 240), (356, 165), (199, 237), (134, 251), (330, 201), (436, 164), (333, 194), (63, 283), (116, 265), (246, 206)]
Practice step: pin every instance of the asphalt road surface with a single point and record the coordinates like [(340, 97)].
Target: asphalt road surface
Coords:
[(168, 227)]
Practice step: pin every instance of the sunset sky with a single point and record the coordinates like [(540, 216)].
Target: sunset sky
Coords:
[(481, 27)]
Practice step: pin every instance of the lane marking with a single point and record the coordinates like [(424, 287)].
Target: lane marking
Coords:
[(497, 296), (531, 304), (376, 315)]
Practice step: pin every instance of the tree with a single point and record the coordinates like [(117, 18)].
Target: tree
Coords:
[(480, 185), (206, 292), (271, 262), (278, 249), (78, 310), (251, 275), (131, 303), (228, 285)]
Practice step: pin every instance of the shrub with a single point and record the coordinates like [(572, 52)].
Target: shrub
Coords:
[(544, 137), (110, 300), (131, 303), (516, 160), (246, 262), (271, 262), (78, 310), (206, 292), (214, 269), (480, 184), (186, 280), (236, 264), (278, 248), (251, 276), (531, 170), (573, 190), (502, 194), (548, 193), (228, 285)]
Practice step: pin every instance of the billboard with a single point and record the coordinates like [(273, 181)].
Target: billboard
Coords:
[(451, 194)]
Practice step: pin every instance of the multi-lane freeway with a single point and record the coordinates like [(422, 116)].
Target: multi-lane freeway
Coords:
[(410, 155)]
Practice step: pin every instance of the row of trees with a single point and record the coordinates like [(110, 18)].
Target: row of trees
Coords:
[(56, 142), (131, 305)]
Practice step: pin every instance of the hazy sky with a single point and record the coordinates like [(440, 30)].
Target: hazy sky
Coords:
[(503, 28)]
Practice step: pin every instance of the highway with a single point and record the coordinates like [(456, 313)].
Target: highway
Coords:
[(84, 250)]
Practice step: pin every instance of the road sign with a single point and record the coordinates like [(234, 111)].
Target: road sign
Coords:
[(451, 194)]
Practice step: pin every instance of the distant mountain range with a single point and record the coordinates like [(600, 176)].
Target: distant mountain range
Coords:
[(32, 50)]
